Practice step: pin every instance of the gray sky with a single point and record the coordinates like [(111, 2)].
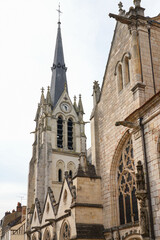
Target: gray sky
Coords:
[(27, 41)]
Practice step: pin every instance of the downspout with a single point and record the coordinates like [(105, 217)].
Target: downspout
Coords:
[(150, 47), (147, 181)]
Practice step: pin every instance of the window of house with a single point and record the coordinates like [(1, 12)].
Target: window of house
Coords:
[(60, 132), (70, 134), (59, 175), (128, 208)]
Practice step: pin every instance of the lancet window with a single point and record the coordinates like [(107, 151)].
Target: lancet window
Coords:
[(126, 70), (34, 237), (47, 235), (70, 134), (128, 209), (122, 71), (120, 78), (60, 132), (59, 175), (65, 231), (70, 173)]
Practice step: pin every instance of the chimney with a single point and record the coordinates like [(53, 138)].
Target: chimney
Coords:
[(23, 213), (7, 213), (19, 207)]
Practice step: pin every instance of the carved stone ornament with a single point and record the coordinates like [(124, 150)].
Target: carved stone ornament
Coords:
[(116, 236), (141, 195), (137, 3), (108, 236), (140, 181)]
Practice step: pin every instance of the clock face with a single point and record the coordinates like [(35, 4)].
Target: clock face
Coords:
[(65, 107)]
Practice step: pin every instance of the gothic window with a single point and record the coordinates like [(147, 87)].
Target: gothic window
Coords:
[(70, 134), (128, 209), (70, 173), (71, 168), (60, 132), (65, 231), (59, 175), (120, 78), (33, 237), (47, 235), (126, 70)]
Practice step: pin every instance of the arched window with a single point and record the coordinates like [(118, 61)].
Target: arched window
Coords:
[(59, 175), (34, 237), (70, 173), (128, 209), (70, 134), (120, 78), (60, 132), (65, 231), (126, 70), (47, 235)]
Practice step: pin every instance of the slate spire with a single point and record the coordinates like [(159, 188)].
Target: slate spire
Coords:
[(59, 69)]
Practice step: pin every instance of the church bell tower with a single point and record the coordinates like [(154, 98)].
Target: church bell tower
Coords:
[(59, 134)]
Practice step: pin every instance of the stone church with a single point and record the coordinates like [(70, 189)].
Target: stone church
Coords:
[(117, 196)]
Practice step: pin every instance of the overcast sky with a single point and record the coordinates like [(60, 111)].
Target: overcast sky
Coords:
[(27, 41)]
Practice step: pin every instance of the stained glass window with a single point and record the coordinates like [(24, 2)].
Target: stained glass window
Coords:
[(65, 234), (128, 209), (46, 235)]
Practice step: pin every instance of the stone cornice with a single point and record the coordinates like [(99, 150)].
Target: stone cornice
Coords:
[(90, 205), (64, 152), (141, 111)]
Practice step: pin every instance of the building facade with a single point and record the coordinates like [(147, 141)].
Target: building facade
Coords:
[(12, 225), (125, 128), (118, 197)]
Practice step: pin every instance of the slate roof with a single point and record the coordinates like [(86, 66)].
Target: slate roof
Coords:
[(59, 69)]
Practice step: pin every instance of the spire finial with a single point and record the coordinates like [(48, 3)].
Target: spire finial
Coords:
[(42, 90), (137, 3), (48, 89), (121, 11), (120, 5), (59, 13)]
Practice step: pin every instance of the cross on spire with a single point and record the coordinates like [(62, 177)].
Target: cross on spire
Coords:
[(42, 90), (59, 13), (120, 5)]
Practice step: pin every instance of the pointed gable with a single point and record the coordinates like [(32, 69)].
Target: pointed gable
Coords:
[(67, 197), (59, 108), (37, 215), (49, 207)]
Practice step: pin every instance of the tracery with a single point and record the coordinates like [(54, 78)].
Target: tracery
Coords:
[(65, 231), (128, 209)]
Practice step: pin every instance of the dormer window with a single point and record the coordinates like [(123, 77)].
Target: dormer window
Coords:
[(60, 132), (70, 134)]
